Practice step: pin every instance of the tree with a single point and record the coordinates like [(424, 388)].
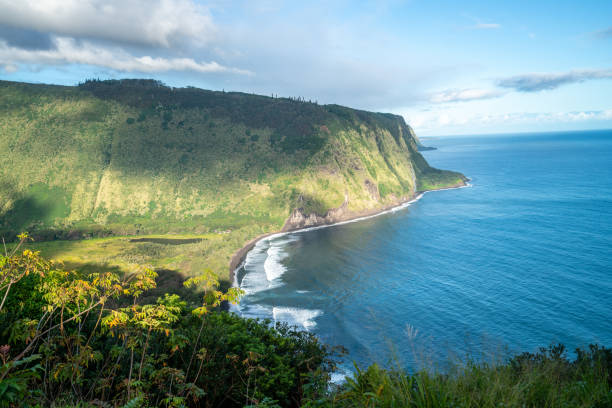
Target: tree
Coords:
[(91, 337)]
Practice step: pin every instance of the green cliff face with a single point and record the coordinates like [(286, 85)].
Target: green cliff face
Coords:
[(135, 157)]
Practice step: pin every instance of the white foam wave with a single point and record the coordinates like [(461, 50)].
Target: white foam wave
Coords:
[(339, 377), (266, 241), (257, 279), (304, 318), (272, 265), (295, 316), (255, 311), (263, 265)]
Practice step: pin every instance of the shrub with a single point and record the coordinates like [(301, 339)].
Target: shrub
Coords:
[(73, 337)]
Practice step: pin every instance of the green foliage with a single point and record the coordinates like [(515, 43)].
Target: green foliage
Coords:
[(544, 379), (15, 388), (434, 179), (383, 190), (254, 360), (94, 338)]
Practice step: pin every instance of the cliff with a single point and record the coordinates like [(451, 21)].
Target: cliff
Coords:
[(115, 158)]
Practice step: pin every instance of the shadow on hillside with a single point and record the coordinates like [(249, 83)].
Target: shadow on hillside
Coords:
[(197, 140), (24, 213), (171, 281)]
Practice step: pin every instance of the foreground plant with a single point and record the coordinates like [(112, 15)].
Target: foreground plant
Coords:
[(72, 338), (547, 378)]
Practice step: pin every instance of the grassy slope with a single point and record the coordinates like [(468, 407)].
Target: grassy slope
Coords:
[(134, 157)]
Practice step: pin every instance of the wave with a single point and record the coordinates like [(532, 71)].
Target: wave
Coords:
[(293, 316), (339, 377), (269, 238), (263, 268), (272, 265), (263, 265), (296, 316)]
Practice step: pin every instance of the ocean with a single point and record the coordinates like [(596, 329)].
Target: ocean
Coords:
[(519, 260)]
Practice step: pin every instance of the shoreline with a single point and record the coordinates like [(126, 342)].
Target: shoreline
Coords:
[(239, 256)]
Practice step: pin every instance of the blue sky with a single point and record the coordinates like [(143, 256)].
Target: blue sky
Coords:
[(448, 67)]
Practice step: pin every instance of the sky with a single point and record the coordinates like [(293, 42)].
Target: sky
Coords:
[(448, 67)]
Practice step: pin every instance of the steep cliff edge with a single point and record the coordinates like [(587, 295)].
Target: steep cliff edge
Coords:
[(113, 158)]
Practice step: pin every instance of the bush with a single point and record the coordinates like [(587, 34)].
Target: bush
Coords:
[(543, 379), (74, 337), (248, 360)]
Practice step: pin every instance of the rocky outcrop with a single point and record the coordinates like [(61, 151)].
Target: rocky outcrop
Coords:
[(298, 220)]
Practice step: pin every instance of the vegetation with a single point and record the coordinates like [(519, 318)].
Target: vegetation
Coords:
[(73, 339), (544, 379), (88, 340), (112, 175), (134, 157)]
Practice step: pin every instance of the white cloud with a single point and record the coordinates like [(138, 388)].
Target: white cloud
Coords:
[(435, 120), (545, 81), (479, 24), (464, 95), (148, 22), (69, 51), (486, 26)]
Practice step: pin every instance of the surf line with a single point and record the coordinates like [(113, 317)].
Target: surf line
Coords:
[(269, 236)]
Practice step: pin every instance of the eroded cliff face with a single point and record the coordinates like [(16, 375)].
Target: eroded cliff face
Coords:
[(298, 220), (135, 157)]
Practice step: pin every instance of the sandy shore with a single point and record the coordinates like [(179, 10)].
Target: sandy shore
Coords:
[(240, 255)]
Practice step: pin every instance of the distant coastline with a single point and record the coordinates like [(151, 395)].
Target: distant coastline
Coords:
[(239, 256)]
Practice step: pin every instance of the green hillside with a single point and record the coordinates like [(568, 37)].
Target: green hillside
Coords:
[(110, 159)]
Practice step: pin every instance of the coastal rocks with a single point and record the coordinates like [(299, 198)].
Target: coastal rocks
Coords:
[(299, 220)]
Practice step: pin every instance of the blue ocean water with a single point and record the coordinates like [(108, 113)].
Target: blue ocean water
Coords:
[(521, 259)]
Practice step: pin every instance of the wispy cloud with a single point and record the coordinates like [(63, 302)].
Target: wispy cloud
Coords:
[(69, 51), (606, 33), (464, 95), (537, 82), (486, 26), (481, 25)]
